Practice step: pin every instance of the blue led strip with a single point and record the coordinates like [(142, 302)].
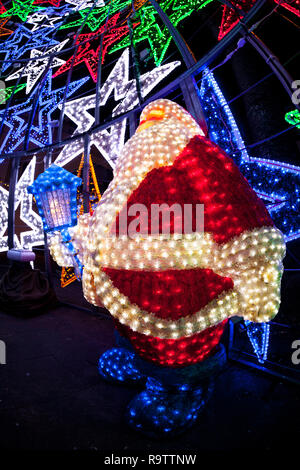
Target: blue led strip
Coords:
[(277, 183)]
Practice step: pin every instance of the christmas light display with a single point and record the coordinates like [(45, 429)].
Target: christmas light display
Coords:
[(275, 182), (55, 3), (293, 118), (82, 4), (14, 49), (158, 37), (43, 20), (97, 16), (24, 200), (55, 192), (4, 31), (7, 92), (35, 68), (231, 18), (2, 8), (87, 55), (259, 336), (171, 297), (21, 8), (293, 6), (41, 134), (110, 141), (67, 274)]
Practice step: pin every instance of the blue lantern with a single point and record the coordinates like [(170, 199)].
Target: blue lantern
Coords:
[(55, 192)]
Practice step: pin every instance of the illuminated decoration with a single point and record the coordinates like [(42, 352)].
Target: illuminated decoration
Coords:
[(259, 335), (293, 118), (14, 50), (110, 141), (55, 193), (23, 200), (148, 283), (4, 31), (81, 4), (98, 15), (38, 20), (41, 133), (230, 17), (87, 55), (21, 8), (158, 37), (55, 3), (67, 274), (7, 92), (293, 6), (275, 182), (2, 8), (35, 68)]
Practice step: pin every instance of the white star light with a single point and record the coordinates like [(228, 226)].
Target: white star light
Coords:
[(35, 68), (29, 238), (110, 141)]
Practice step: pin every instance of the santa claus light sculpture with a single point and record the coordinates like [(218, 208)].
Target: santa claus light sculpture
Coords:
[(171, 296)]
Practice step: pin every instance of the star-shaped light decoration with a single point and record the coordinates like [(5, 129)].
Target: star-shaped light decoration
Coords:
[(55, 3), (21, 8), (5, 93), (13, 48), (43, 20), (24, 200), (110, 141), (98, 15), (231, 18), (2, 8), (82, 4), (41, 133), (4, 31), (35, 68), (87, 55), (149, 30), (276, 182)]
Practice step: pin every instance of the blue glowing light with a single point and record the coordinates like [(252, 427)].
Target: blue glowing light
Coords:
[(13, 49), (55, 192)]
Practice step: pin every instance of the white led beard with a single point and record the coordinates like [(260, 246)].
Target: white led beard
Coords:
[(252, 260), (35, 68), (28, 238), (110, 141)]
